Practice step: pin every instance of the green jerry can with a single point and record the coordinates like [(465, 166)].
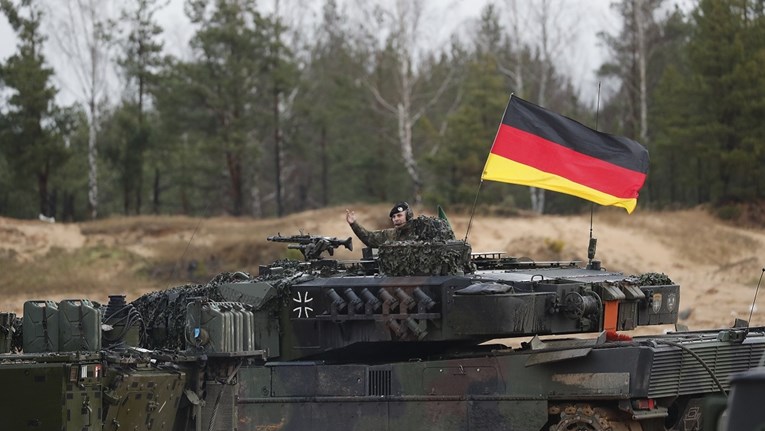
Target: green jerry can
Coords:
[(220, 327), (79, 326), (40, 327)]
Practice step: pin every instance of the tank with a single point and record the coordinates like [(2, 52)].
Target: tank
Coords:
[(404, 338)]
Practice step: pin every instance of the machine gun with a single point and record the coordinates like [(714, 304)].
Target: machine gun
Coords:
[(313, 246)]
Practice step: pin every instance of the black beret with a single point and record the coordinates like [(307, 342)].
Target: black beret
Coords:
[(399, 207)]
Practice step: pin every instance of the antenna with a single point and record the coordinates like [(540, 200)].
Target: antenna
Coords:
[(188, 244), (183, 256), (751, 310), (593, 244)]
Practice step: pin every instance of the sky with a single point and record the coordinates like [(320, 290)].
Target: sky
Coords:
[(443, 17)]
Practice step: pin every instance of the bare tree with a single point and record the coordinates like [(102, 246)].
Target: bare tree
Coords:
[(554, 36), (631, 51), (516, 44), (404, 29), (642, 19), (81, 34)]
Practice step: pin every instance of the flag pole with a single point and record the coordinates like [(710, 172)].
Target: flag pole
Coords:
[(472, 210), (495, 136)]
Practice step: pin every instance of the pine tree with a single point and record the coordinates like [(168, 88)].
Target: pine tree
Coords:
[(332, 117), (29, 137), (140, 60), (214, 103)]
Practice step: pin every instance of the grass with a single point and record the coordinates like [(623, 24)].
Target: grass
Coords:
[(86, 271), (133, 255)]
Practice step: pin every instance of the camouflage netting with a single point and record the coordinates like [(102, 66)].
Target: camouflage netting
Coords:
[(431, 229), (285, 273), (649, 279), (164, 312), (425, 258), (436, 252)]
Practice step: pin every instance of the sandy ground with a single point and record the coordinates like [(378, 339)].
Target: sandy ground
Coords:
[(717, 265), (30, 239)]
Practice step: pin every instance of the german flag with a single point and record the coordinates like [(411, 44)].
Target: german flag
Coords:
[(539, 148)]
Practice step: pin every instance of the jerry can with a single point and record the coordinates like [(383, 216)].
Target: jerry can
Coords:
[(40, 327), (79, 326)]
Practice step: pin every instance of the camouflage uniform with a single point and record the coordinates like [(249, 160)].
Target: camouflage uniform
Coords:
[(422, 228), (375, 238)]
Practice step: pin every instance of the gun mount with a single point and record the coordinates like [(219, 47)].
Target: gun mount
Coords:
[(312, 247), (399, 340)]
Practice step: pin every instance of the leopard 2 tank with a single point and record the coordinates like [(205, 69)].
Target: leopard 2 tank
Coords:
[(402, 339)]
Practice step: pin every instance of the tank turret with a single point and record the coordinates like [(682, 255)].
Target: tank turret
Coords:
[(417, 298)]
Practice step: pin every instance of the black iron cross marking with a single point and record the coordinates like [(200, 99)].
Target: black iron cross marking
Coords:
[(302, 307)]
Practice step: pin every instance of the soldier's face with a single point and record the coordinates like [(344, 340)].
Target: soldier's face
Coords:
[(399, 219)]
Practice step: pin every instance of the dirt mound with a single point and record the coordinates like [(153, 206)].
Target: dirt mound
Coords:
[(26, 240), (718, 265)]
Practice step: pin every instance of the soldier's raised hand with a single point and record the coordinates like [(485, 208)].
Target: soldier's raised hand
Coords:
[(350, 216)]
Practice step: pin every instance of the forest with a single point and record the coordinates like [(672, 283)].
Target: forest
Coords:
[(265, 118)]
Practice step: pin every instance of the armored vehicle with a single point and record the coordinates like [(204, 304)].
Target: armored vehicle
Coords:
[(401, 339)]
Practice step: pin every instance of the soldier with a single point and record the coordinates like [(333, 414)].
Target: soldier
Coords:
[(400, 215)]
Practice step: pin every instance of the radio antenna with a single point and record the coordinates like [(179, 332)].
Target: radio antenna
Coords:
[(188, 244), (593, 243), (754, 301)]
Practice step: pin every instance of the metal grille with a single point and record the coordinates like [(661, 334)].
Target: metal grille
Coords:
[(677, 372), (378, 382), (219, 407)]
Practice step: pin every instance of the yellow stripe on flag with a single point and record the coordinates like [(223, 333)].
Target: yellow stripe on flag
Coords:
[(498, 168)]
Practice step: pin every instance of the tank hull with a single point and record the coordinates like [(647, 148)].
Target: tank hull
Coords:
[(651, 383)]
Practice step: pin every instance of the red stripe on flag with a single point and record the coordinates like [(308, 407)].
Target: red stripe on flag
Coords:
[(547, 156)]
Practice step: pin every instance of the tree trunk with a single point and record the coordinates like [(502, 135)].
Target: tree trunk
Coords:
[(640, 21), (125, 197), (67, 214), (42, 189), (537, 194), (78, 30), (155, 200), (324, 168), (277, 154), (405, 138), (405, 22), (138, 189), (277, 125), (92, 165), (257, 206), (235, 174)]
